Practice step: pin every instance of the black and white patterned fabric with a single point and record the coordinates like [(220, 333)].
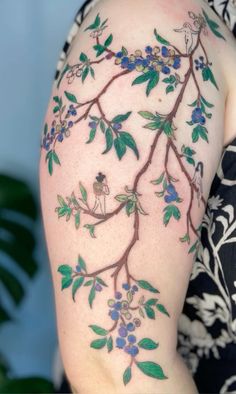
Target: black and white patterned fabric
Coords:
[(207, 327)]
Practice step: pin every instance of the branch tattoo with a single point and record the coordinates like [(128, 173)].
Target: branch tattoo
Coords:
[(137, 298)]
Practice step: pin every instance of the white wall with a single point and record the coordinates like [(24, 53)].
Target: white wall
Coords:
[(31, 36)]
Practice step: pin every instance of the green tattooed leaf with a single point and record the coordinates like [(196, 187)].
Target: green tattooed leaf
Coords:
[(143, 78), (169, 89), (130, 142), (209, 105), (102, 126), (213, 25), (83, 192), (165, 184), (108, 41), (199, 131), (64, 71), (129, 296), (99, 49), (56, 109), (109, 140), (92, 72), (101, 281), (85, 74), (190, 123), (121, 118), (147, 115), (195, 135), (66, 282), (160, 39), (82, 264), (153, 125), (61, 201), (124, 51), (162, 309), (83, 57), (193, 104), (45, 130), (98, 343), (147, 286), (188, 151), (76, 285), (63, 211), (71, 97), (130, 207), (120, 147), (55, 158), (148, 344), (150, 312), (91, 229), (152, 82), (151, 369), (167, 128), (127, 376), (151, 302), (88, 283), (193, 247), (185, 238), (140, 310), (110, 344), (65, 269), (95, 24), (158, 180), (190, 160), (91, 136), (121, 197), (98, 330), (92, 295), (207, 75), (171, 211)]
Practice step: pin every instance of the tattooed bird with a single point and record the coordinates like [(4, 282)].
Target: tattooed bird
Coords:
[(197, 180), (189, 33), (100, 189)]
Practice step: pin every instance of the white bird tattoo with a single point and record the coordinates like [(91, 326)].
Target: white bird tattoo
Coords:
[(189, 33)]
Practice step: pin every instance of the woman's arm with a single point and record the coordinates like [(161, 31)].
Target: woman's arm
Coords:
[(140, 101)]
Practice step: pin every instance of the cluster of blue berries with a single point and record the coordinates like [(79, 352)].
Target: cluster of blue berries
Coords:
[(199, 63), (71, 111), (126, 340), (119, 306), (172, 194), (120, 310), (198, 117), (155, 58), (58, 131)]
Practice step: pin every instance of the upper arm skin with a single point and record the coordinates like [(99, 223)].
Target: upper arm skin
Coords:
[(147, 208)]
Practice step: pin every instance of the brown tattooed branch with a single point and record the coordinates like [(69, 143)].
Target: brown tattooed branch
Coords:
[(166, 160), (124, 258), (195, 80), (204, 51), (178, 156)]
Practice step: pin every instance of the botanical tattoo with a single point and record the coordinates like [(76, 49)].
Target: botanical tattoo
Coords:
[(160, 63)]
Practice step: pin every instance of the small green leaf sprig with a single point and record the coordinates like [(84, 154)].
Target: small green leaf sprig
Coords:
[(114, 135), (122, 312)]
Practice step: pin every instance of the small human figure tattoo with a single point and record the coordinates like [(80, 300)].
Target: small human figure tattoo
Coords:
[(101, 190)]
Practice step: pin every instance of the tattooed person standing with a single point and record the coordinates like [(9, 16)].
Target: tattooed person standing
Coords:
[(152, 95)]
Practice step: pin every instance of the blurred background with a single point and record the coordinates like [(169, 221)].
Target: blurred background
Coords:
[(32, 34)]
